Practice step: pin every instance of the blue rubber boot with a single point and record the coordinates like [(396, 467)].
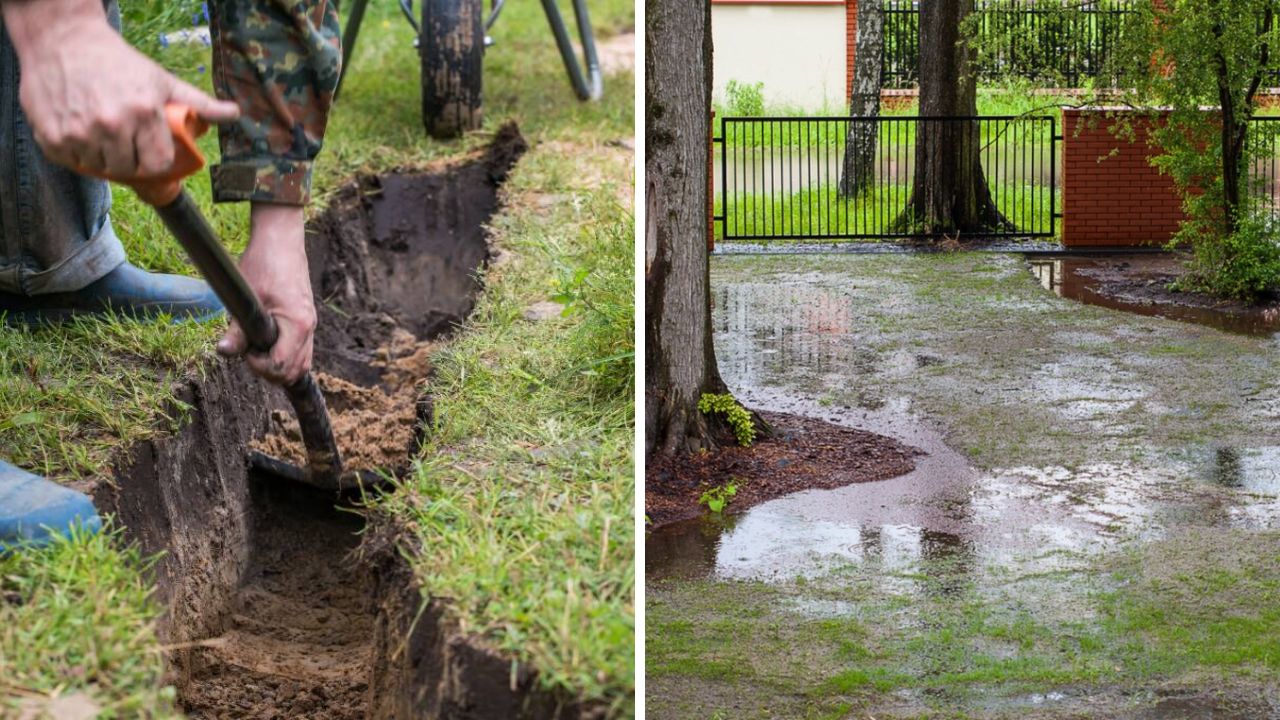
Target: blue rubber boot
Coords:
[(127, 290), (34, 510)]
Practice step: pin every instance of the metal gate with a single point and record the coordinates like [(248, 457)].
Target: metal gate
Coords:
[(779, 178)]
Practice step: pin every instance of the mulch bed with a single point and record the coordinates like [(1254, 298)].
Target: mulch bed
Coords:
[(802, 454)]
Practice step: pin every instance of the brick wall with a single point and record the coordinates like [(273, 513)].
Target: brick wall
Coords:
[(1112, 199), (851, 43)]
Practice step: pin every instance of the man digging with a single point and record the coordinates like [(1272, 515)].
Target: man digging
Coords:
[(73, 93)]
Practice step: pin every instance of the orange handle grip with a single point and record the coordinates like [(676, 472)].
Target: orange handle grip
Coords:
[(160, 190)]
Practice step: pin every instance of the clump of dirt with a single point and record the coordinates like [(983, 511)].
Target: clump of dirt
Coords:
[(405, 359), (801, 454), (374, 428)]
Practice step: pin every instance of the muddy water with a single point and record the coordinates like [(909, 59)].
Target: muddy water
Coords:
[(1133, 283), (814, 342)]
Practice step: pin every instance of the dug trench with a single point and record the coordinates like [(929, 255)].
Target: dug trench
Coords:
[(288, 602)]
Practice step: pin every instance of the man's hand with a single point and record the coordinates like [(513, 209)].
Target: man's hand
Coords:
[(275, 266), (93, 101)]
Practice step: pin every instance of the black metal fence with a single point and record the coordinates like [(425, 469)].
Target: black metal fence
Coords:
[(1033, 39), (780, 178), (1263, 141)]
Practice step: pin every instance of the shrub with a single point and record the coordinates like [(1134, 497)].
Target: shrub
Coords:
[(745, 99), (1240, 266)]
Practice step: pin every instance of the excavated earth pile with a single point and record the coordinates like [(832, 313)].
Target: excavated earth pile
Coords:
[(280, 602)]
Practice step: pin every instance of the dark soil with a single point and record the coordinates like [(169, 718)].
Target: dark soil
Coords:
[(269, 612), (395, 262), (801, 454)]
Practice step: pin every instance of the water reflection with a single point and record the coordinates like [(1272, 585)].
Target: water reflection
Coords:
[(939, 528), (1079, 278)]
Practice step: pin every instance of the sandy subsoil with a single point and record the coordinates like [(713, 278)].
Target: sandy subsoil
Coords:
[(802, 454), (298, 641)]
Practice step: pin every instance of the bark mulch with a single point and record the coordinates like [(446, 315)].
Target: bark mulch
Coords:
[(802, 454)]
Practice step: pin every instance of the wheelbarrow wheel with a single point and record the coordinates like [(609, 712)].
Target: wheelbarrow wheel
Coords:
[(451, 45)]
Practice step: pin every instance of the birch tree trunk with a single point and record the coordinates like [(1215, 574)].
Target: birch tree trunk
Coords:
[(864, 101), (949, 191), (680, 363)]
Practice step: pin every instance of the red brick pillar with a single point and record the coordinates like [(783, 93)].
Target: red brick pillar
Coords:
[(851, 43), (1111, 195)]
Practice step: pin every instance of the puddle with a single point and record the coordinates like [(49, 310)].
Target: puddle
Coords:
[(1135, 283), (285, 601), (802, 342)]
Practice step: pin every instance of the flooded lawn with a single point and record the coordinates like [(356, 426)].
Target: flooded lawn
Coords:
[(1093, 532)]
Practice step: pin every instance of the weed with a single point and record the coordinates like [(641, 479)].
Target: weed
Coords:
[(739, 419), (718, 497), (745, 99)]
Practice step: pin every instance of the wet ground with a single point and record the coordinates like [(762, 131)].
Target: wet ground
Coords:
[(1140, 284), (1092, 533)]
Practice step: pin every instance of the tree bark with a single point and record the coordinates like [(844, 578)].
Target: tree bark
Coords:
[(864, 101), (680, 363), (949, 192), (1234, 127)]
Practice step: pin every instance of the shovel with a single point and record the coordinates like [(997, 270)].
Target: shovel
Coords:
[(183, 218)]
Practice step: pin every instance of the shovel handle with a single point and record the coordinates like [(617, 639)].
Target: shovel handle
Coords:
[(183, 218)]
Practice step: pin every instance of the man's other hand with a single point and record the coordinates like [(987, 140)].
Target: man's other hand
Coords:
[(275, 266)]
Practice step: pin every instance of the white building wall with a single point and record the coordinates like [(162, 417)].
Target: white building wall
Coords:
[(797, 51)]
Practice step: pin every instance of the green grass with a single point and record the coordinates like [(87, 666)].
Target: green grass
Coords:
[(1197, 608), (76, 618), (524, 499), (819, 211), (1013, 100)]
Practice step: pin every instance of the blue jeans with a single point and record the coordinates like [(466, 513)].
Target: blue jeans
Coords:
[(55, 226)]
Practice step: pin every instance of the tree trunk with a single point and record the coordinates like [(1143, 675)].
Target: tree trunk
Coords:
[(1235, 128), (864, 101), (949, 191), (680, 362)]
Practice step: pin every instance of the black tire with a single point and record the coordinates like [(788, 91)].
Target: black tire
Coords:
[(452, 49)]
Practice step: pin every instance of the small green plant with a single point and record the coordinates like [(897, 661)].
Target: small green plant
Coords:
[(1241, 266), (734, 414), (745, 99), (718, 497)]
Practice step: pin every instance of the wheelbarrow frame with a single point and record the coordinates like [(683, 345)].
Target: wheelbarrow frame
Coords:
[(587, 85)]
